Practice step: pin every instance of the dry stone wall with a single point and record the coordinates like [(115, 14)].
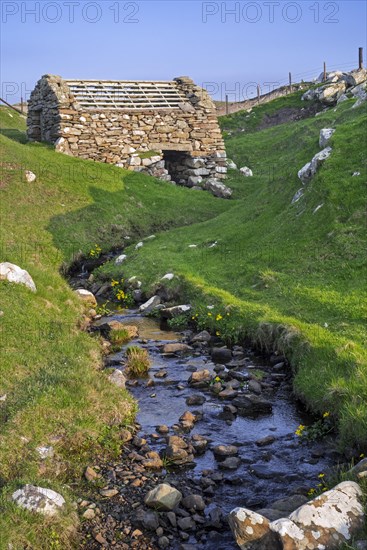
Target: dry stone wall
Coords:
[(183, 144)]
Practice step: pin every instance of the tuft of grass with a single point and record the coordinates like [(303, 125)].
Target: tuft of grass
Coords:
[(138, 361), (119, 336)]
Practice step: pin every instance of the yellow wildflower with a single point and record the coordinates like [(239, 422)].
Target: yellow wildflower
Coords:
[(326, 414), (114, 283), (361, 455), (209, 314), (217, 333), (218, 317), (299, 431), (321, 476)]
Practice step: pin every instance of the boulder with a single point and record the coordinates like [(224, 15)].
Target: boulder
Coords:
[(330, 94), (194, 502), (325, 136), (251, 530), (356, 77), (86, 296), (175, 348), (200, 378), (117, 378), (151, 304), (221, 355), (251, 405), (309, 170), (217, 188), (327, 521), (245, 171), (120, 259), (15, 274), (202, 336), (163, 497), (38, 499), (171, 312)]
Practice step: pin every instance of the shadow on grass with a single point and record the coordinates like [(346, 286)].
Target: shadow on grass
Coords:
[(15, 135)]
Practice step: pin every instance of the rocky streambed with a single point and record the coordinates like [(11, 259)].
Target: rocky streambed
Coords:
[(215, 424)]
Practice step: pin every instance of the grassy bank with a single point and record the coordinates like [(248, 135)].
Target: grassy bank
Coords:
[(55, 391), (293, 275)]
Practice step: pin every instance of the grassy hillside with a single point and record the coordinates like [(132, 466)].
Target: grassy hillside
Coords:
[(290, 277), (293, 275), (55, 391)]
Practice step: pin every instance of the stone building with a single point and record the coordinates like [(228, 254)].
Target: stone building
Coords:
[(166, 128)]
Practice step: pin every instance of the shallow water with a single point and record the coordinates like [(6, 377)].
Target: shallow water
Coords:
[(288, 464)]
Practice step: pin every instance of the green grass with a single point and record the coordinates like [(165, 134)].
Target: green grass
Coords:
[(51, 370), (290, 279), (294, 279), (250, 121)]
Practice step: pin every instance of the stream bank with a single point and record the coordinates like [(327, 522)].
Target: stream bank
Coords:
[(219, 425)]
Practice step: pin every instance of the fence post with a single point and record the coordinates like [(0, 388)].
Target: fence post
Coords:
[(360, 60), (227, 110), (290, 82), (258, 93), (21, 104), (324, 76)]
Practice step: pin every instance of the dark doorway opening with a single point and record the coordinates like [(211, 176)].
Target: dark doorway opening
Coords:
[(176, 164)]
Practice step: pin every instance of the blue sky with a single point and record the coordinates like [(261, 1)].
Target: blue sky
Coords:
[(228, 47)]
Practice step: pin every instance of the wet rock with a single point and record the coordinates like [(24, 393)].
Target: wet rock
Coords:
[(264, 472), (195, 400), (178, 456), (163, 429), (228, 393), (161, 374), (200, 379), (187, 420), (171, 516), (163, 542), (359, 468), (199, 444), (151, 304), (223, 451), (289, 504), (194, 502), (268, 440), (221, 355), (249, 405), (163, 497), (38, 499), (203, 336), (230, 463), (251, 530), (254, 386), (175, 348), (15, 274)]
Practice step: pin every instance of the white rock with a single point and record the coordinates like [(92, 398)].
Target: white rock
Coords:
[(193, 245), (15, 274), (217, 188), (325, 136), (38, 499), (231, 165), (298, 195), (45, 452), (150, 304), (86, 296), (120, 258), (117, 378), (30, 176), (356, 173), (318, 208), (168, 276), (3, 397), (139, 245), (246, 171), (310, 169)]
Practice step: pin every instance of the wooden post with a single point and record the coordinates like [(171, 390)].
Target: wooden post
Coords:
[(290, 82), (227, 109), (258, 93), (324, 77), (21, 104), (360, 55)]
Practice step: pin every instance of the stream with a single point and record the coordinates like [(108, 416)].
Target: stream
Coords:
[(271, 463)]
